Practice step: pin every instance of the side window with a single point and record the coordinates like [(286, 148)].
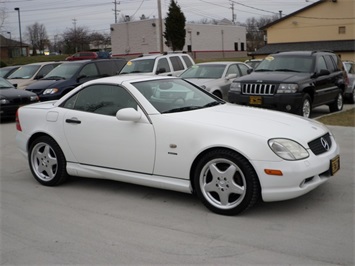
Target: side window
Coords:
[(177, 63), (44, 71), (187, 61), (330, 63), (243, 69), (163, 64), (89, 70), (321, 63), (233, 69), (101, 99), (107, 68)]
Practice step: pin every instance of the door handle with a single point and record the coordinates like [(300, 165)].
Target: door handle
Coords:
[(73, 121)]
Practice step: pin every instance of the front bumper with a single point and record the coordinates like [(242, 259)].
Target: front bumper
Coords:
[(289, 102)]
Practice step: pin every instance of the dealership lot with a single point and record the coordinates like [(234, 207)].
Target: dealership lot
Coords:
[(96, 222)]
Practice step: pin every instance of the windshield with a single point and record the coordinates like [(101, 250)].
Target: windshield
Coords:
[(204, 72), (175, 95), (64, 71), (292, 63), (138, 66), (25, 72), (4, 84)]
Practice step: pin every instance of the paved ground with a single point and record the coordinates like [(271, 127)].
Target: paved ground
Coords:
[(98, 222)]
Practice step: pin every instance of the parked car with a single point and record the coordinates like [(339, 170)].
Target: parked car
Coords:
[(82, 56), (168, 133), (30, 73), (215, 77), (168, 64), (7, 71), (72, 74), (253, 63), (350, 89), (294, 82), (11, 99)]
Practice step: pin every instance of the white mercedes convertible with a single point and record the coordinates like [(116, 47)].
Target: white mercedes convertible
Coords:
[(165, 132)]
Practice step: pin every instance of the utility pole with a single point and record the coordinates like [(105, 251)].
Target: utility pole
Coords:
[(160, 27), (115, 10), (75, 39), (233, 15)]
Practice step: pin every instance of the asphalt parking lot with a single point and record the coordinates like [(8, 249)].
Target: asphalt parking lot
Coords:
[(100, 222)]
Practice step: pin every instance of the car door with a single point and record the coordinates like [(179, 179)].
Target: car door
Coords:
[(97, 138), (323, 83)]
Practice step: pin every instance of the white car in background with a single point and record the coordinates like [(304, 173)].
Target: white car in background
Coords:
[(167, 133), (215, 77), (349, 93)]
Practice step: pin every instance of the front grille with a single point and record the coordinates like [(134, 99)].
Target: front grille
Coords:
[(20, 101), (321, 145), (258, 89)]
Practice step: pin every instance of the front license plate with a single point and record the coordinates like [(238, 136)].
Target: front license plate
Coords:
[(334, 165), (255, 100)]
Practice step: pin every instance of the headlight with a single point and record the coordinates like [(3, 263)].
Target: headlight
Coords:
[(34, 98), (288, 149), (287, 88), (236, 86), (50, 91), (4, 101)]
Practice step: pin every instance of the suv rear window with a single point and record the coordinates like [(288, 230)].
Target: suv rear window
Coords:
[(187, 61), (177, 63)]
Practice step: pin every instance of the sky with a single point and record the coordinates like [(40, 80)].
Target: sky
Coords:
[(97, 15)]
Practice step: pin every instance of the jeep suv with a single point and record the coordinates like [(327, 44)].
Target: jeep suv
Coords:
[(293, 82), (166, 64), (69, 75)]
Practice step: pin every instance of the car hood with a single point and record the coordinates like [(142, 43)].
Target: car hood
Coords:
[(255, 121), (275, 77), (43, 84), (14, 93), (22, 83)]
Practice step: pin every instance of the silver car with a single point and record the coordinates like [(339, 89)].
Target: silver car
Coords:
[(350, 90), (215, 77)]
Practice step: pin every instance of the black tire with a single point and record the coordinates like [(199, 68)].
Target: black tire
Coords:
[(225, 182), (352, 97), (47, 161), (338, 104), (306, 107)]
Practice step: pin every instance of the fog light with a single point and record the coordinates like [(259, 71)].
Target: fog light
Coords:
[(288, 107)]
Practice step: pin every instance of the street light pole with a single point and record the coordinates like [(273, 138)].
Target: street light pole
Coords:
[(10, 44), (19, 26)]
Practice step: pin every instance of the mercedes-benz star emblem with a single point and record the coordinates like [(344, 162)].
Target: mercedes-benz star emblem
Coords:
[(325, 144)]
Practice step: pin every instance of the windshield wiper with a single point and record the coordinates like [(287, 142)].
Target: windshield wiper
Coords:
[(262, 70), (181, 109), (212, 104), (286, 70), (54, 78), (17, 78)]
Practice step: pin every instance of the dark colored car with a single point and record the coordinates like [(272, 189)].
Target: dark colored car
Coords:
[(11, 99), (72, 74), (82, 56), (7, 71), (294, 82)]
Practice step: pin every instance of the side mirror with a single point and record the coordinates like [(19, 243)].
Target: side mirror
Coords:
[(161, 70), (250, 70), (128, 114), (231, 76)]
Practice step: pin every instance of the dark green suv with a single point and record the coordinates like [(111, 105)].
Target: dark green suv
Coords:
[(294, 82)]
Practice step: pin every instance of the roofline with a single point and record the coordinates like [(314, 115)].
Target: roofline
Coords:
[(292, 14)]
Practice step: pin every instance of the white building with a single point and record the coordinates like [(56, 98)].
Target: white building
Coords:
[(133, 38)]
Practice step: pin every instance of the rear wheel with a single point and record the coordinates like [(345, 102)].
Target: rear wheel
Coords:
[(47, 162), (337, 105), (226, 182)]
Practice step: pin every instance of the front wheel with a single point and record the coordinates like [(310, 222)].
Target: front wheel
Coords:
[(47, 161), (337, 105), (226, 182), (306, 106)]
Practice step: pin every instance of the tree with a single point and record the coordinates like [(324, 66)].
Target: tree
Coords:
[(37, 35), (76, 39), (175, 32), (255, 37)]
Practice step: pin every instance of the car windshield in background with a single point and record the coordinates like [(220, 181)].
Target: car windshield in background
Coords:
[(175, 95), (63, 71), (4, 84), (204, 72), (286, 64), (24, 72), (138, 66)]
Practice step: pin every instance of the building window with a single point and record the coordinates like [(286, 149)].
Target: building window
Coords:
[(242, 47), (235, 46), (342, 30)]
